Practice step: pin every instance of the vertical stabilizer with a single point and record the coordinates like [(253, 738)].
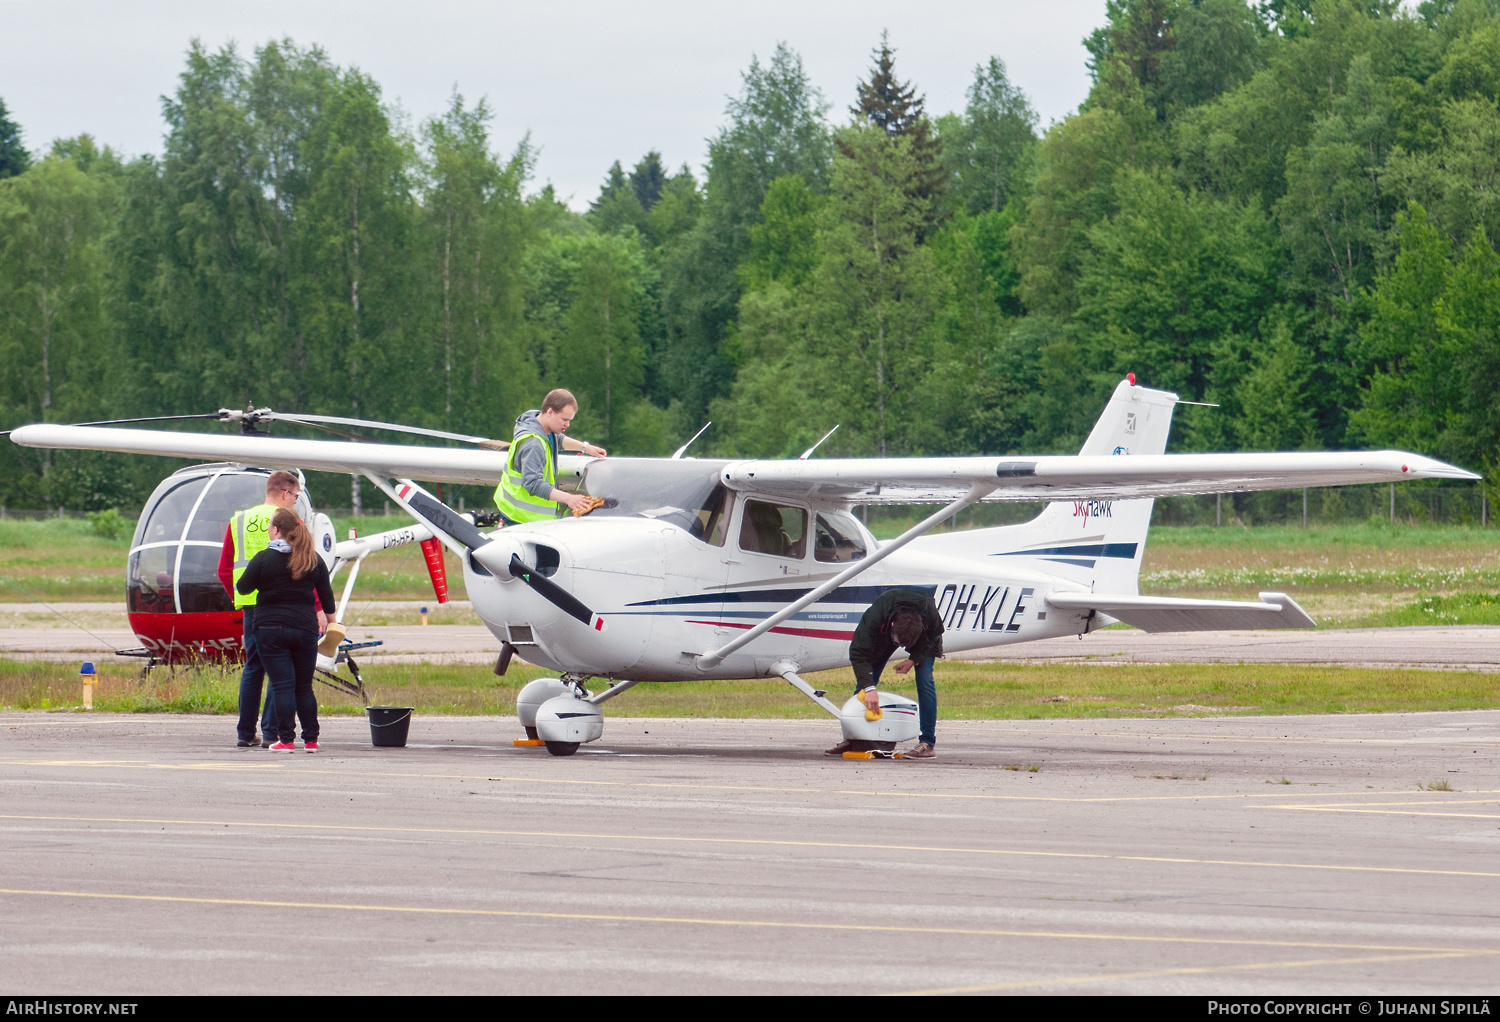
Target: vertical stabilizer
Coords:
[(1098, 543)]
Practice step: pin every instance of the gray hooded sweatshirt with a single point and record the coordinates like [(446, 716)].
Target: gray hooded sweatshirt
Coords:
[(534, 455)]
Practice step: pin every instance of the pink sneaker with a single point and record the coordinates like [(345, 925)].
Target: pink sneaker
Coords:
[(309, 746), (283, 747)]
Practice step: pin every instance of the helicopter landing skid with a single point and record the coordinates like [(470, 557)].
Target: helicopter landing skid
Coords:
[(142, 653), (357, 688)]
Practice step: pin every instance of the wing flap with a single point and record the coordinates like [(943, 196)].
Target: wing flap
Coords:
[(1084, 477), (1176, 614)]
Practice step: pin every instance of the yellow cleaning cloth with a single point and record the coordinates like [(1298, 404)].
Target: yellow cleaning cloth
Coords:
[(331, 639)]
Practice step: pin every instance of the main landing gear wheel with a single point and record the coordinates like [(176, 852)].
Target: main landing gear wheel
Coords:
[(562, 748)]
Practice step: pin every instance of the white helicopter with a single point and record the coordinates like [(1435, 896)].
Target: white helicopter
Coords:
[(725, 569)]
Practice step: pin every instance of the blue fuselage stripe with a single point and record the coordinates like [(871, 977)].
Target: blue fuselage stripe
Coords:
[(1124, 550)]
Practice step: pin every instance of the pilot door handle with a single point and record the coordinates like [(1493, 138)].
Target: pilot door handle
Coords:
[(731, 560)]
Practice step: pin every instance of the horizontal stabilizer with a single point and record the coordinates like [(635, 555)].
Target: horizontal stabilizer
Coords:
[(1174, 614)]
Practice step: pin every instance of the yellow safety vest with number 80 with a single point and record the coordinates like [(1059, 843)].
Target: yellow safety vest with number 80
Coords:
[(251, 530)]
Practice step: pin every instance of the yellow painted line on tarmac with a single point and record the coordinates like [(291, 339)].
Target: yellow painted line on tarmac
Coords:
[(1446, 742), (767, 789), (1386, 808), (777, 924), (1400, 812), (121, 764), (1198, 970), (756, 842), (96, 717)]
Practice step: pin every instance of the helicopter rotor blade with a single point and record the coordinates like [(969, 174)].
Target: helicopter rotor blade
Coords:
[(122, 422), (259, 415), (339, 420)]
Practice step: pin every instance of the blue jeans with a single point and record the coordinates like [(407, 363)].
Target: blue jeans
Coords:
[(926, 698), (290, 654), (250, 678)]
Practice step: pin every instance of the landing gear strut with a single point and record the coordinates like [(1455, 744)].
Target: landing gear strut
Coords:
[(868, 739)]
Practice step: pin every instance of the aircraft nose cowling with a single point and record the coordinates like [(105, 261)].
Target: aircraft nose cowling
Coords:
[(496, 554)]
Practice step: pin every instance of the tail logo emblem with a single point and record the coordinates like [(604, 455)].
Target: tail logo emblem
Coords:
[(1130, 423), (1087, 509)]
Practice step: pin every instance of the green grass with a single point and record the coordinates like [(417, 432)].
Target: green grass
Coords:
[(1458, 609), (965, 691), (61, 560), (1378, 534)]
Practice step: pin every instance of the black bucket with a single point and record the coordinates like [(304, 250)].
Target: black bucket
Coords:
[(389, 724)]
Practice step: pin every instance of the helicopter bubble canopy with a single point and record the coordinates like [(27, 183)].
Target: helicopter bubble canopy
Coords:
[(174, 556)]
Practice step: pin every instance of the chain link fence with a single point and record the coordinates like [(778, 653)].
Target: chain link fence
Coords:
[(1400, 503)]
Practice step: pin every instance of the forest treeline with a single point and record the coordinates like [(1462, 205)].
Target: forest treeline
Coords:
[(1282, 208)]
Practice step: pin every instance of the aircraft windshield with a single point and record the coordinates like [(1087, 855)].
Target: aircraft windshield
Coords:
[(174, 559), (685, 493)]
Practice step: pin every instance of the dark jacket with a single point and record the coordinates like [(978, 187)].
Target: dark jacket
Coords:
[(873, 645), (284, 600)]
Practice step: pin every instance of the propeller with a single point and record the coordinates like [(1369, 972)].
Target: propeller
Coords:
[(443, 517), (554, 593)]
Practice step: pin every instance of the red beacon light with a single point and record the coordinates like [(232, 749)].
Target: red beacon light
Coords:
[(1130, 379)]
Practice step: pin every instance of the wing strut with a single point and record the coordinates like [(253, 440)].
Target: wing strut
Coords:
[(447, 539), (708, 661)]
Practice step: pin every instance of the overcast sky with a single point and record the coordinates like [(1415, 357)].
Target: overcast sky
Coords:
[(593, 81)]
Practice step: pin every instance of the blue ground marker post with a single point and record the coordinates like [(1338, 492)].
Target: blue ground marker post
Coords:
[(87, 673)]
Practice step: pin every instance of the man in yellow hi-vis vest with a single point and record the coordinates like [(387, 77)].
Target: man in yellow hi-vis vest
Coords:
[(528, 490), (246, 537)]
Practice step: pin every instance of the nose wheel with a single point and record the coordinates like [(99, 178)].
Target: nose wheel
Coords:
[(561, 713)]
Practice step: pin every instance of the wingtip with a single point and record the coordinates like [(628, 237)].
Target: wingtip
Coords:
[(1419, 467)]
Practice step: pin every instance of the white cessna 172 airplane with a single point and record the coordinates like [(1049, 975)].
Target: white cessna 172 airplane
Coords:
[(757, 569)]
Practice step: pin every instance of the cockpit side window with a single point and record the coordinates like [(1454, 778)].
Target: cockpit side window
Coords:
[(838, 538), (713, 518), (777, 529)]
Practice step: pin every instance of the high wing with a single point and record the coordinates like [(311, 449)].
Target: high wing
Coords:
[(1082, 477), (856, 480), (434, 464)]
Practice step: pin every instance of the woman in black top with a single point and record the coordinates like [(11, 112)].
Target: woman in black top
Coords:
[(286, 574)]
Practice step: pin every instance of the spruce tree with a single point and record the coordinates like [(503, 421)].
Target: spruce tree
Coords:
[(648, 179), (894, 107), (13, 156)]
